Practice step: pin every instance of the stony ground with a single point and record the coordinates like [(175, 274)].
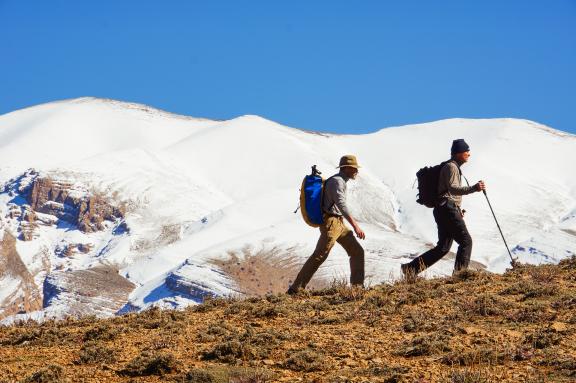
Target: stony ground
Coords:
[(474, 327)]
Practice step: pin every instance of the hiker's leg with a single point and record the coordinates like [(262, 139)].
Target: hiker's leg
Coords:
[(459, 232), (329, 233), (442, 247), (356, 255)]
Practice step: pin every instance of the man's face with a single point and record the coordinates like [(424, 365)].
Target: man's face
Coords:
[(463, 157), (350, 172)]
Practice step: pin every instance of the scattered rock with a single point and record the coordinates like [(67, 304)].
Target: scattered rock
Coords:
[(559, 327)]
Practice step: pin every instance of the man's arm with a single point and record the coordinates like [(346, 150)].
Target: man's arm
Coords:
[(359, 232), (340, 201), (450, 174)]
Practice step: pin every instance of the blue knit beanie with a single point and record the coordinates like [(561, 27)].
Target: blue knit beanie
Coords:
[(459, 146)]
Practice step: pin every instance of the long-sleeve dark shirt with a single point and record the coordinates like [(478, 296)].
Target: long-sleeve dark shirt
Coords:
[(450, 183)]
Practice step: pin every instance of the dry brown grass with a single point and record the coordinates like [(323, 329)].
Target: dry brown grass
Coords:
[(264, 271), (473, 327)]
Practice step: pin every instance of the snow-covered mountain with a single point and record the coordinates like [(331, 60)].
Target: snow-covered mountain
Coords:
[(108, 206)]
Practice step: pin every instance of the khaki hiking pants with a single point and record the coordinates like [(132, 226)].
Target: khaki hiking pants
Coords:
[(333, 230)]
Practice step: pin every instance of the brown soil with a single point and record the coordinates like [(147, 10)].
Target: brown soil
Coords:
[(472, 327), (268, 271)]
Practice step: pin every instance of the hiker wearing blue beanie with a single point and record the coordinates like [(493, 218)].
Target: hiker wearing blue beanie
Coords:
[(448, 214)]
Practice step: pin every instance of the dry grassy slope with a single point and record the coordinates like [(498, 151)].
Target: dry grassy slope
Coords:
[(475, 327)]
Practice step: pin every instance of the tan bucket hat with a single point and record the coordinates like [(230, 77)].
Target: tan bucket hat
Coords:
[(349, 160)]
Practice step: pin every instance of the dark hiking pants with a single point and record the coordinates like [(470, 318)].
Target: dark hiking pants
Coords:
[(333, 230), (451, 227)]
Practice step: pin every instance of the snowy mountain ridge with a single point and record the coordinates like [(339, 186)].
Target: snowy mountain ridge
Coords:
[(188, 193)]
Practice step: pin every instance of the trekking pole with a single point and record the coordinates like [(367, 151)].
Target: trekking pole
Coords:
[(513, 262)]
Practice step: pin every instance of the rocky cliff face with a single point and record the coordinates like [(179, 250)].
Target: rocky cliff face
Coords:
[(41, 199), (19, 293), (88, 212), (36, 204)]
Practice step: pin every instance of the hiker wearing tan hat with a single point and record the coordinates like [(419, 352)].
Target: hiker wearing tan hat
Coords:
[(334, 230)]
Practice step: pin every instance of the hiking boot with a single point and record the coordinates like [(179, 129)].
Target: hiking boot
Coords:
[(291, 291)]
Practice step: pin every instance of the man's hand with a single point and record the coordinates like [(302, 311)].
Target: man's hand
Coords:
[(359, 233), (480, 186)]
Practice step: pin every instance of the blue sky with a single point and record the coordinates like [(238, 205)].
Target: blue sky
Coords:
[(336, 66)]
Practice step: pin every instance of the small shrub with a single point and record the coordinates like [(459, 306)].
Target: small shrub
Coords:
[(150, 364), (565, 302), (267, 310), (51, 374), (530, 290), (340, 292), (226, 374), (19, 337), (104, 332), (412, 299), (43, 336), (201, 376), (219, 329), (229, 351), (467, 275), (565, 365), (329, 319), (320, 305), (568, 263), (177, 316), (268, 338), (468, 376), (530, 313), (251, 376), (245, 346), (543, 338), (306, 360), (211, 303), (389, 374), (276, 298), (486, 356), (414, 322), (483, 305), (377, 302), (424, 345), (92, 353), (544, 274)]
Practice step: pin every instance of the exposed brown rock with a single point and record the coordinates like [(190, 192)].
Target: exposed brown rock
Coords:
[(26, 296), (74, 248), (87, 212), (14, 211), (28, 215), (27, 231)]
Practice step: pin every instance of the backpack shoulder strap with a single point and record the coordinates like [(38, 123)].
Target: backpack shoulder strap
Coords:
[(323, 194)]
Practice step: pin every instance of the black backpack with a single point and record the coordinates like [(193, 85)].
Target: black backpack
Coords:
[(428, 178)]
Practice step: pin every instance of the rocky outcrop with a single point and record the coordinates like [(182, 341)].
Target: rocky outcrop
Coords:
[(69, 249), (99, 290), (19, 293), (196, 281), (58, 198)]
